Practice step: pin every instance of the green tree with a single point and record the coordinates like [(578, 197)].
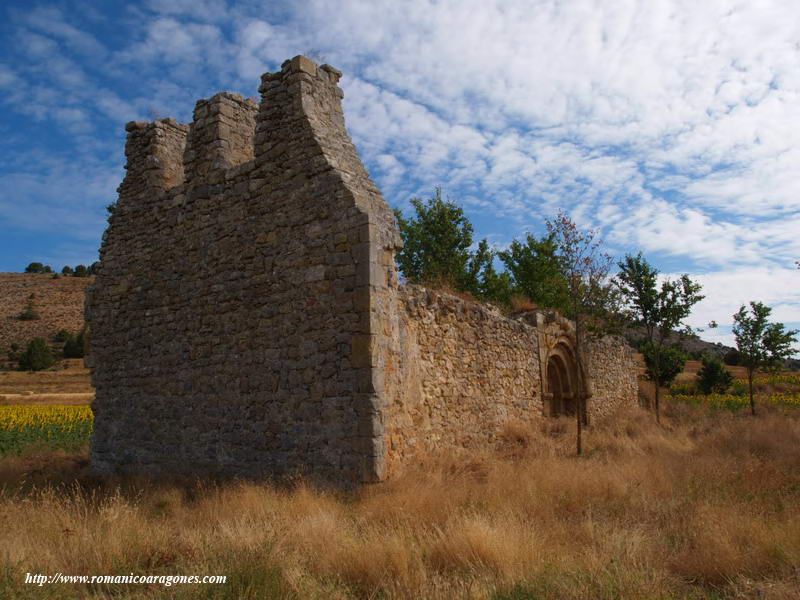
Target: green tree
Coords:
[(67, 270), (435, 243), (81, 271), (657, 309), (761, 344), (663, 364), (590, 299), (36, 357), (535, 270), (713, 377), (35, 267), (482, 280)]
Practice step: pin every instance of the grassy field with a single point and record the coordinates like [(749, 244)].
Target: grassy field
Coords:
[(706, 506)]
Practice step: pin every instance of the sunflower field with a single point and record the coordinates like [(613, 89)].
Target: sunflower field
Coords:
[(55, 427), (787, 393)]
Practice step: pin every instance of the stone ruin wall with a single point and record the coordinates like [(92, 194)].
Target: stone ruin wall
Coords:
[(613, 368), (247, 318), (463, 371), (233, 316)]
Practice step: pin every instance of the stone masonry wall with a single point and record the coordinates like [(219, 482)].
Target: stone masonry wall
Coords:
[(463, 371), (612, 366), (236, 314)]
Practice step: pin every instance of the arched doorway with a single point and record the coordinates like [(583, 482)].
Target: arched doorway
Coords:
[(562, 382)]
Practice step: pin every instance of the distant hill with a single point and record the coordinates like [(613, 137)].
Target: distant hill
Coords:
[(692, 346), (59, 303)]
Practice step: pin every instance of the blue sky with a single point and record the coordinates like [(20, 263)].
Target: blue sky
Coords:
[(671, 126)]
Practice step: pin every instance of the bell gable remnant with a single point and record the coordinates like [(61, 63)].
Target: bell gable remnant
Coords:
[(247, 317)]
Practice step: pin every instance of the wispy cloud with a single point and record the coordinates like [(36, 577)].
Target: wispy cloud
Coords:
[(666, 123)]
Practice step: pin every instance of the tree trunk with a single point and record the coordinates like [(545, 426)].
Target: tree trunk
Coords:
[(580, 386), (658, 383), (750, 387)]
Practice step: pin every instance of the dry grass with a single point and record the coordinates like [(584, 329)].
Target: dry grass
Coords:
[(521, 303), (707, 506)]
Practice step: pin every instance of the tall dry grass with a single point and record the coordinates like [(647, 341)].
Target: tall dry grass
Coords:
[(707, 506)]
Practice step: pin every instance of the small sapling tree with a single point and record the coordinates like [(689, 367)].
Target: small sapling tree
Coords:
[(761, 344), (657, 309), (589, 298)]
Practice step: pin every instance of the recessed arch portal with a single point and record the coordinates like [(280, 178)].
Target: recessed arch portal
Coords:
[(562, 381)]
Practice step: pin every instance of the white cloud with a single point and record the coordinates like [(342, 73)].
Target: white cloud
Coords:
[(667, 123)]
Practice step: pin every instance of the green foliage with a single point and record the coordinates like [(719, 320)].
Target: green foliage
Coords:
[(713, 378), (663, 363), (688, 388), (67, 270), (590, 298), (36, 357), (37, 267), (81, 271), (761, 344), (436, 251), (658, 309), (73, 346), (435, 243), (732, 358), (535, 270), (30, 313), (62, 336)]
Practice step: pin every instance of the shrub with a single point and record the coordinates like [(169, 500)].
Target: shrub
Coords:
[(713, 378), (62, 336), (30, 313), (73, 346), (683, 389), (36, 357)]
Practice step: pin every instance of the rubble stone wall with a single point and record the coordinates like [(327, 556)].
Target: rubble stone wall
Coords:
[(464, 371), (234, 314), (612, 366)]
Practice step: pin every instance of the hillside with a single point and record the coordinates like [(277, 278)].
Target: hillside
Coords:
[(59, 302)]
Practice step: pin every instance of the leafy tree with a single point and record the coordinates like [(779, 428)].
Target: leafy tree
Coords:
[(482, 280), (81, 271), (535, 270), (713, 377), (35, 267), (589, 297), (436, 251), (36, 357), (435, 243), (658, 309), (67, 270), (760, 344), (94, 267), (663, 364)]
